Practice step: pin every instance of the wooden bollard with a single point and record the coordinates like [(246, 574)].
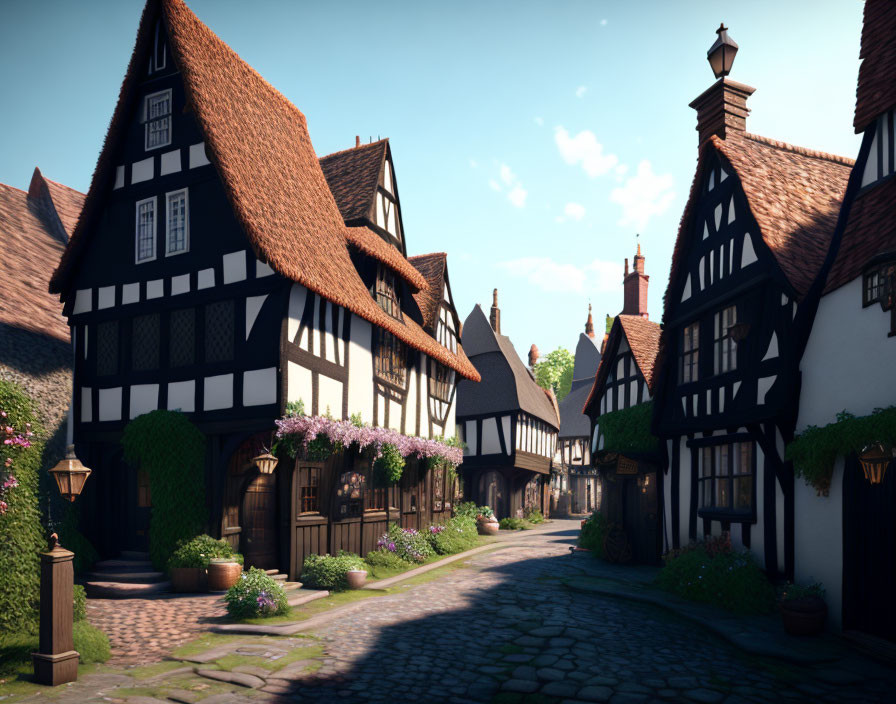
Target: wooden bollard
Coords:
[(57, 661)]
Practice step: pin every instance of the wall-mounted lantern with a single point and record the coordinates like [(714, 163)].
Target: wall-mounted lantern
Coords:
[(874, 459), (644, 482), (721, 53), (266, 463)]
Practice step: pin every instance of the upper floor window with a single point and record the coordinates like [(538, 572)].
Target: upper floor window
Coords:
[(219, 331), (726, 477), (107, 348), (158, 59), (146, 230), (177, 223), (386, 295), (725, 348), (441, 381), (872, 287), (444, 332), (157, 120), (145, 342), (391, 358), (182, 340), (690, 353)]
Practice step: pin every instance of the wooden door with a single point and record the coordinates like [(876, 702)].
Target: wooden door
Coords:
[(869, 544), (258, 540)]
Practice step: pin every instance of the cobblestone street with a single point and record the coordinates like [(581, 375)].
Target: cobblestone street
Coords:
[(501, 628)]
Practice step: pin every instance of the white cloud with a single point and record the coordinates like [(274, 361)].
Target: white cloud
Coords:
[(584, 148), (539, 121), (517, 196), (581, 90), (644, 195), (494, 185), (603, 23), (546, 274), (575, 211), (507, 176)]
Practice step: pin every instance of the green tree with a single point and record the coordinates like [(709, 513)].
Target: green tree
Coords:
[(554, 371)]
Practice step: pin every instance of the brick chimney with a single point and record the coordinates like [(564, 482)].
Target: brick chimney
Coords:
[(722, 109), (495, 316), (589, 324), (634, 286), (533, 356)]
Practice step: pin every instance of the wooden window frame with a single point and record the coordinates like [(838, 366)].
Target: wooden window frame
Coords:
[(386, 291), (724, 352), (390, 359), (169, 197), (308, 485), (714, 479), (137, 233), (440, 388), (871, 290), (148, 121), (689, 368)]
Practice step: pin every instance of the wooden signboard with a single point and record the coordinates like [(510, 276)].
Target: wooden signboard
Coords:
[(626, 466)]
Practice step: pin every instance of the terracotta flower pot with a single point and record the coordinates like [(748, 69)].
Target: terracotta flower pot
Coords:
[(223, 575), (804, 617), (356, 578), (189, 580), (488, 527)]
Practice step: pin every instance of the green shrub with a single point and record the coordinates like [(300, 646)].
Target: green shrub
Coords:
[(594, 530), (328, 571), (90, 642), (198, 551), (713, 573), (456, 535), (628, 430), (79, 603), (468, 509), (533, 515), (172, 450), (409, 544), (512, 523), (22, 537), (384, 559), (256, 594), (389, 466)]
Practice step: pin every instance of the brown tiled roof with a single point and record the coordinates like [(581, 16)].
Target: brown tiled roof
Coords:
[(643, 337), (353, 175), (876, 90), (32, 245), (432, 267), (871, 230), (259, 144), (67, 202), (375, 246)]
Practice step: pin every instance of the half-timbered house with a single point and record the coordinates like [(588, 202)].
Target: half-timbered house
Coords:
[(508, 422), (574, 437), (628, 469), (846, 537), (754, 234), (221, 269)]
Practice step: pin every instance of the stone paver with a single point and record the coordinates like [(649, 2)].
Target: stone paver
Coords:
[(505, 629)]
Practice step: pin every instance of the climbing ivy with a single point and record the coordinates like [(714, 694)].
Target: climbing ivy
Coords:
[(389, 466), (172, 451), (628, 430), (814, 451), (21, 533)]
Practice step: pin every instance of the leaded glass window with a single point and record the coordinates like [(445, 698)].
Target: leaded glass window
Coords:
[(146, 230), (157, 119), (219, 331), (178, 227), (391, 358), (107, 348), (182, 343), (145, 347)]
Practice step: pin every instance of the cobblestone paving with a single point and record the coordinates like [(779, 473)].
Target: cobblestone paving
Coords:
[(145, 630)]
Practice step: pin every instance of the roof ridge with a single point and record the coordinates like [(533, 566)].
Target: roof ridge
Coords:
[(62, 185), (351, 149), (430, 254), (13, 188), (813, 153)]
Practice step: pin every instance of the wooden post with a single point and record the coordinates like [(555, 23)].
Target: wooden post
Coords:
[(57, 661)]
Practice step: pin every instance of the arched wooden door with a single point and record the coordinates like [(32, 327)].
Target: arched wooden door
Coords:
[(258, 540), (491, 492)]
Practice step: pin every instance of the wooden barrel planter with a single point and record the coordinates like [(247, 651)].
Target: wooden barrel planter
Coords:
[(223, 574), (804, 617), (188, 580)]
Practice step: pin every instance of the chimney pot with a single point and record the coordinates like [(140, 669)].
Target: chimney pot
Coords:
[(357, 140), (634, 288), (495, 316)]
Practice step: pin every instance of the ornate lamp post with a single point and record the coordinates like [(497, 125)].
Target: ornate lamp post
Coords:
[(57, 660), (721, 53)]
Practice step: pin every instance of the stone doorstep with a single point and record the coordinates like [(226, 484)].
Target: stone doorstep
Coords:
[(736, 630), (118, 565), (124, 590), (109, 576)]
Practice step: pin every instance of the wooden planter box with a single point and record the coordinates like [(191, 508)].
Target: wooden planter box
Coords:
[(188, 579)]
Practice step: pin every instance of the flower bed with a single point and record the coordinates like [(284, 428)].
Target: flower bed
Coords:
[(256, 594), (328, 571)]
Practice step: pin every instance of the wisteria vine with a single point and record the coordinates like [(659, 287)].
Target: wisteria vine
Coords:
[(13, 440)]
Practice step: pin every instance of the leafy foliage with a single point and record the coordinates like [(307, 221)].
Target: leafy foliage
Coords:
[(389, 466), (814, 451), (457, 535), (410, 545), (801, 592), (21, 534), (328, 571), (386, 559), (712, 573), (628, 430), (79, 602), (554, 371), (198, 551), (172, 451), (256, 594), (72, 539), (512, 523), (469, 509), (90, 642), (533, 515), (593, 533)]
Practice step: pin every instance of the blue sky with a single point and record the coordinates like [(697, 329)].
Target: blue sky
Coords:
[(532, 140)]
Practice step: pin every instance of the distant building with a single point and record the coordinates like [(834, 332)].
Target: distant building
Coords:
[(509, 423)]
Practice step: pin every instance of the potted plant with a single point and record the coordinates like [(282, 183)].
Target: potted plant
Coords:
[(355, 578), (224, 572), (188, 564), (486, 523), (803, 609)]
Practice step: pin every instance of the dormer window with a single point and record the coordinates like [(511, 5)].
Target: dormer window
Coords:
[(157, 120), (690, 353), (386, 296)]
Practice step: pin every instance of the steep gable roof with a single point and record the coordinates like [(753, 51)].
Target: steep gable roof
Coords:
[(367, 241), (64, 202), (523, 393), (432, 267), (33, 242), (573, 422), (353, 175), (876, 88), (643, 338), (259, 144)]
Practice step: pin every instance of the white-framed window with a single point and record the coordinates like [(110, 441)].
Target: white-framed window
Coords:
[(177, 223), (145, 231), (725, 348), (157, 119)]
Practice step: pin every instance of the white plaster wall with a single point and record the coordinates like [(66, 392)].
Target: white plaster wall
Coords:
[(849, 361), (298, 385), (182, 396), (144, 398), (260, 387), (297, 296), (218, 392), (491, 445), (818, 540), (110, 404), (330, 396), (414, 404), (684, 492), (360, 368)]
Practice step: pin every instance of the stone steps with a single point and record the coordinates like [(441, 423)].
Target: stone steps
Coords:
[(124, 566), (129, 576), (135, 555), (110, 576), (124, 590)]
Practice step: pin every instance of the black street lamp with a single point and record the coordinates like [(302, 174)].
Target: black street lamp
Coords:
[(721, 53)]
